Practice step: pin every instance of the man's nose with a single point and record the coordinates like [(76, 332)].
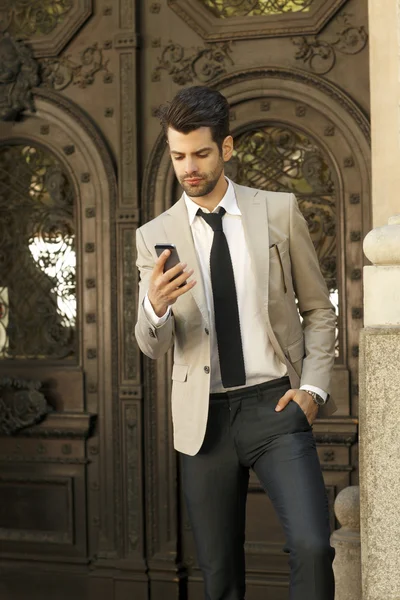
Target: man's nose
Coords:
[(190, 166)]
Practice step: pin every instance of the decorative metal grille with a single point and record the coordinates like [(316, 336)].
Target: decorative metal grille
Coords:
[(224, 9), (284, 159), (32, 17), (37, 256)]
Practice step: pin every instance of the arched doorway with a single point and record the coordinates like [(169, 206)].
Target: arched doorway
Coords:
[(292, 132)]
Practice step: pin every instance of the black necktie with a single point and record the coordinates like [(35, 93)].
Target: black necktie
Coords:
[(227, 324)]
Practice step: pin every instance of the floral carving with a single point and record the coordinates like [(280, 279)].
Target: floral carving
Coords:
[(201, 64), (20, 17), (21, 404), (18, 75), (59, 73), (320, 55)]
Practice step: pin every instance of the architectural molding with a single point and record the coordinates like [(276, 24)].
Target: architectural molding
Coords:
[(201, 65), (48, 24), (68, 126), (320, 54), (126, 39), (59, 73), (128, 167), (231, 9), (21, 404), (133, 474), (63, 425), (212, 28), (300, 77), (270, 78), (126, 14), (128, 292)]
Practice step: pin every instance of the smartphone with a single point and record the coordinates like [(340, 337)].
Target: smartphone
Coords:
[(172, 260)]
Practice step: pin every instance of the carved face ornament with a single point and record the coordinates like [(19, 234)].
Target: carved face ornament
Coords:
[(18, 75), (10, 62)]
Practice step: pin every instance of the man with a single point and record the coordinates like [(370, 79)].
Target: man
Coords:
[(248, 377)]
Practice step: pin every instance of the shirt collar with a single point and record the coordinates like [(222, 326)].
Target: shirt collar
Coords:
[(228, 202)]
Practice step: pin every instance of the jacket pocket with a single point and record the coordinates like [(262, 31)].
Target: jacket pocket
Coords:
[(275, 252), (296, 350), (179, 372)]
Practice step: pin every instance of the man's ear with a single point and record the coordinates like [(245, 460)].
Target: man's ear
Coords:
[(227, 148)]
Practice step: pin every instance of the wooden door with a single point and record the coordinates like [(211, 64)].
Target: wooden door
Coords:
[(91, 502)]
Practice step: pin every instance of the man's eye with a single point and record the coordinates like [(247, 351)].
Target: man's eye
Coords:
[(202, 155), (178, 157)]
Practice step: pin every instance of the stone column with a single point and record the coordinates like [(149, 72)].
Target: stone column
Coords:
[(380, 340), (380, 415), (384, 41)]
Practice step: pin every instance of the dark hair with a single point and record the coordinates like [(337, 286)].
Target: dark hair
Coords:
[(196, 107)]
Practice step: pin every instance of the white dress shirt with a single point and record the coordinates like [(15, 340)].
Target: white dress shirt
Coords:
[(261, 362)]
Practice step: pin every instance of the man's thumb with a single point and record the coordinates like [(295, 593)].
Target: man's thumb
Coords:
[(284, 401)]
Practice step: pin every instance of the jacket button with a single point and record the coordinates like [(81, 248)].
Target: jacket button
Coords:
[(151, 333), (206, 370), (207, 332)]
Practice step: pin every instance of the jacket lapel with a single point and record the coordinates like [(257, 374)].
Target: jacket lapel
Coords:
[(255, 224), (253, 206), (176, 225)]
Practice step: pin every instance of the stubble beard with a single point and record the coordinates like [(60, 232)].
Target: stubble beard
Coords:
[(207, 184)]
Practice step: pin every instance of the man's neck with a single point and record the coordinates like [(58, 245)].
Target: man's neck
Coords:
[(211, 201)]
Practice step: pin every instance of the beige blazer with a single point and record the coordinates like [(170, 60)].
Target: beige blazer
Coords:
[(272, 221)]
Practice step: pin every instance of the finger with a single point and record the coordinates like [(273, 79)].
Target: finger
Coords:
[(182, 290), (178, 281), (160, 262), (173, 273), (315, 411), (166, 292), (284, 401)]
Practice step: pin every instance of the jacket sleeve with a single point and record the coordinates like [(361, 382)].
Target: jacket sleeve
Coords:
[(153, 341), (318, 314)]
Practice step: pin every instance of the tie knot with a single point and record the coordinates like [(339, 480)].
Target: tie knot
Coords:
[(213, 219)]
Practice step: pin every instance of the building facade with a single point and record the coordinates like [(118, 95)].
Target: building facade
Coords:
[(91, 498)]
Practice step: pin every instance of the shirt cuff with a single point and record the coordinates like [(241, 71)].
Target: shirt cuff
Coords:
[(155, 320), (317, 390)]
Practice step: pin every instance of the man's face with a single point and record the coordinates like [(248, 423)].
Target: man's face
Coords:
[(197, 160)]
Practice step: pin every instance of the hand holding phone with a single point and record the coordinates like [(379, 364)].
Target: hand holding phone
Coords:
[(168, 280), (173, 258)]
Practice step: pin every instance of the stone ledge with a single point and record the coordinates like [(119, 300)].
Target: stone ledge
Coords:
[(381, 330), (61, 425)]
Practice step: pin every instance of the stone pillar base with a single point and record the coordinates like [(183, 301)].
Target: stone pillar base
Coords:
[(379, 462), (346, 541)]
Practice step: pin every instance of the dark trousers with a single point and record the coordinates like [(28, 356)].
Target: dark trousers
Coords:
[(244, 431)]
